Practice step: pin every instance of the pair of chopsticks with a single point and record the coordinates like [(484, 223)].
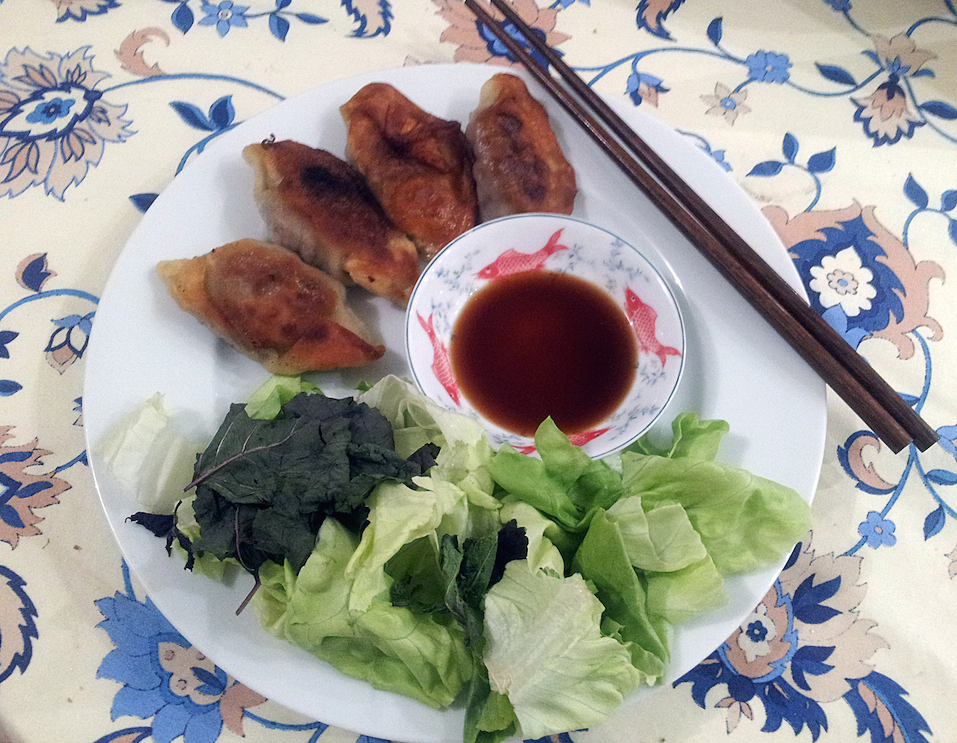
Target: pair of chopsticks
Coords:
[(840, 366)]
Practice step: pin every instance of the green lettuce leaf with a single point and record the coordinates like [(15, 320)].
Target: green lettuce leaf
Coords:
[(545, 651), (603, 561), (151, 454), (679, 595), (415, 419), (399, 515), (564, 483), (392, 648), (267, 401), (691, 439), (662, 539), (744, 521)]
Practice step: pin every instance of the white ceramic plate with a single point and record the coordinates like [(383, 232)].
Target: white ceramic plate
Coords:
[(559, 244), (738, 369)]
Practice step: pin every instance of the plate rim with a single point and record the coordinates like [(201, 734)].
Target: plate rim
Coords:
[(180, 182)]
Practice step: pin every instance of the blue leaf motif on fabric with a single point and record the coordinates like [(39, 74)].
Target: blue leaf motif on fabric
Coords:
[(143, 201), (311, 19), (810, 660), (9, 387), (836, 74), (939, 109), (220, 117), (212, 683), (192, 116), (784, 703), (948, 200), (766, 169), (808, 600), (934, 522), (278, 26), (822, 162), (714, 31), (915, 192), (183, 17), (942, 477), (875, 699), (222, 113), (18, 626), (790, 147), (952, 230), (5, 337)]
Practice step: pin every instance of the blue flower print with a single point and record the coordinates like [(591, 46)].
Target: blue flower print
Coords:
[(768, 67), (163, 676), (644, 87), (69, 340), (49, 111), (224, 16), (877, 530), (54, 122), (497, 49), (756, 631), (841, 5)]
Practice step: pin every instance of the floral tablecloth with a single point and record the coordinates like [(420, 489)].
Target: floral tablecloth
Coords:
[(839, 118)]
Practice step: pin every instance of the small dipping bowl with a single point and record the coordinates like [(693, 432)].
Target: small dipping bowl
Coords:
[(506, 250)]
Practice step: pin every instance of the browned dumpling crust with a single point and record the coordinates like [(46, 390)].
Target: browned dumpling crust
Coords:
[(318, 205), (519, 165), (418, 165), (270, 306)]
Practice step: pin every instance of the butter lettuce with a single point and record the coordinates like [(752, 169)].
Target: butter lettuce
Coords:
[(662, 539), (679, 595), (563, 482), (539, 591), (392, 648), (602, 559), (744, 521), (545, 651)]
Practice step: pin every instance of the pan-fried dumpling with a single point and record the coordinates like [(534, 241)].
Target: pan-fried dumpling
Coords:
[(519, 165), (418, 165), (270, 306), (318, 205)]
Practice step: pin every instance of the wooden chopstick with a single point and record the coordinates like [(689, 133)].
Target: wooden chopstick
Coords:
[(848, 374)]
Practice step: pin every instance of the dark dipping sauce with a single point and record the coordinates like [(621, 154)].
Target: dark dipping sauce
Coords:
[(539, 343)]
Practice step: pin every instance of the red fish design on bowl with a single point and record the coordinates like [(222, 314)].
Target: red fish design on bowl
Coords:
[(560, 244)]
